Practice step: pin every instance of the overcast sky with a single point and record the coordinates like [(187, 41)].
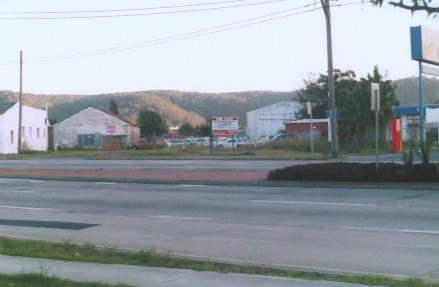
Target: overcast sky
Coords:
[(230, 46)]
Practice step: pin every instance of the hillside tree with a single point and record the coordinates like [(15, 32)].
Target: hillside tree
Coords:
[(113, 107), (151, 123)]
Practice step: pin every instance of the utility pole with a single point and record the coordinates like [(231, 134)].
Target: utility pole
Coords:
[(20, 103), (331, 89)]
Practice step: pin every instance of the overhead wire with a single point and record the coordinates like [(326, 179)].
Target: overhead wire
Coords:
[(193, 34), (134, 9)]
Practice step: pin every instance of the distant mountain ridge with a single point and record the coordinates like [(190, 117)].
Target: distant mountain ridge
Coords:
[(174, 106), (407, 91), (178, 107)]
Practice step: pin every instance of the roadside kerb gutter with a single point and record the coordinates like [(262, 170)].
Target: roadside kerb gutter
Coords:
[(260, 183)]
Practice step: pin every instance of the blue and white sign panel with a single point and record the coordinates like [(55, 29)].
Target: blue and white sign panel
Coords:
[(224, 126), (425, 45)]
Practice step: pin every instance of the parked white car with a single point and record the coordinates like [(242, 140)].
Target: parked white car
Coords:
[(232, 143), (264, 139)]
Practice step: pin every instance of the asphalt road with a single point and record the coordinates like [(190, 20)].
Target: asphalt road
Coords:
[(195, 164), (356, 230), (63, 163)]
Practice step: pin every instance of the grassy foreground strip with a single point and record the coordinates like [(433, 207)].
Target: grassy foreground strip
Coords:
[(90, 253), (37, 280)]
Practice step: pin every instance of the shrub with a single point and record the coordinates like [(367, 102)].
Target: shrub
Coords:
[(356, 172)]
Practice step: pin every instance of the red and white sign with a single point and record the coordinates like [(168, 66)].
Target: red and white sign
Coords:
[(111, 129), (224, 126)]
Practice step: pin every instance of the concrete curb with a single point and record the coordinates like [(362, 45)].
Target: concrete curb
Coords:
[(144, 276), (261, 183)]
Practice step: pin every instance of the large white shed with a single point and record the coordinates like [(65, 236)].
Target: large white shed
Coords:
[(34, 128), (270, 120)]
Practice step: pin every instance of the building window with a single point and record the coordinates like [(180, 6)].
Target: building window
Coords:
[(12, 137), (23, 132), (30, 132), (38, 132), (44, 133)]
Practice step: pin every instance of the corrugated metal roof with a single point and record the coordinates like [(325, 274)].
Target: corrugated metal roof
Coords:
[(5, 106)]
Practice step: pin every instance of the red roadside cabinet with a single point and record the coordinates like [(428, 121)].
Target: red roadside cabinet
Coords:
[(396, 135)]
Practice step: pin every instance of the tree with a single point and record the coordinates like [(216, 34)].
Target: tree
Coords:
[(355, 120), (113, 107), (151, 123), (186, 129), (316, 92), (203, 130), (413, 5), (356, 115)]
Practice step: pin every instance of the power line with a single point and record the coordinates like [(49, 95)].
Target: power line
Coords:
[(120, 10), (216, 29), (184, 36), (190, 9)]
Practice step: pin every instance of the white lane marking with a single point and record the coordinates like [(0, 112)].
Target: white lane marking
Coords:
[(393, 230), (18, 191), (38, 181), (314, 203), (191, 185), (29, 208), (181, 217), (108, 183)]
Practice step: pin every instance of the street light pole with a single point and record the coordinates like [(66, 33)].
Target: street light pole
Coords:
[(331, 89)]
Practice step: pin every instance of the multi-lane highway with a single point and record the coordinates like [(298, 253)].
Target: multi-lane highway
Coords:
[(386, 231)]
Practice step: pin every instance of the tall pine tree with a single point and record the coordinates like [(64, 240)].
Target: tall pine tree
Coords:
[(113, 107)]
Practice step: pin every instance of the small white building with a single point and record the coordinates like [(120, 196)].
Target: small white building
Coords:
[(95, 128), (270, 120), (34, 128)]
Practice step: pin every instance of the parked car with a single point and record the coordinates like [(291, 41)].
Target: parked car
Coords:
[(232, 143), (202, 141), (264, 139), (149, 143), (281, 137)]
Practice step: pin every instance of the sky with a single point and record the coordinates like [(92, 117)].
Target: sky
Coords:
[(109, 46)]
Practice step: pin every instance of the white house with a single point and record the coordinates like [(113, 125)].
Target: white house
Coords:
[(270, 120), (96, 128), (34, 128)]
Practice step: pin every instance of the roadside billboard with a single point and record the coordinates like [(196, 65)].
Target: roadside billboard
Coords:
[(222, 126), (425, 45)]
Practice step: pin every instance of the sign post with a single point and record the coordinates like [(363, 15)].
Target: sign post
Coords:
[(224, 126), (424, 47), (309, 109), (111, 130), (375, 106)]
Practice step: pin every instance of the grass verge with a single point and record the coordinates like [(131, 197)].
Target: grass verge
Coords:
[(37, 280), (149, 258)]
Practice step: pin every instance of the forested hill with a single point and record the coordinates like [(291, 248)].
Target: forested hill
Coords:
[(175, 107), (407, 91), (190, 107)]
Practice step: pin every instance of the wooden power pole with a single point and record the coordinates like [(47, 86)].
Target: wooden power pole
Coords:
[(331, 89)]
